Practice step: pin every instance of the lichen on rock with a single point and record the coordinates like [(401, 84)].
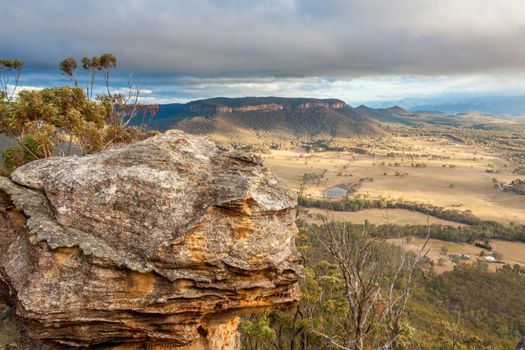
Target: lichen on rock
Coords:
[(158, 242)]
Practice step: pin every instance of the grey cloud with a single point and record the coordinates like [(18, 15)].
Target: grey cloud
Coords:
[(272, 37)]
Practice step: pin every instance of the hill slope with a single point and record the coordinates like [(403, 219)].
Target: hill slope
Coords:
[(280, 121), (251, 119)]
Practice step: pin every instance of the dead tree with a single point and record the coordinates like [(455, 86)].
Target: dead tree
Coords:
[(124, 109), (376, 299)]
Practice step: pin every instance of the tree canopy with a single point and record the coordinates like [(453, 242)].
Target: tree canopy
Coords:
[(62, 120)]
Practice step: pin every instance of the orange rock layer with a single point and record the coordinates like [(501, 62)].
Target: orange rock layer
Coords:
[(157, 245)]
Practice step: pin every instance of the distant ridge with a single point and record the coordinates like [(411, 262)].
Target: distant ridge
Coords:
[(393, 114), (247, 103), (280, 120), (491, 104), (274, 117), (209, 107)]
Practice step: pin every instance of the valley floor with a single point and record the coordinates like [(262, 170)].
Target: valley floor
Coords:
[(427, 170), (433, 171), (375, 216), (512, 252)]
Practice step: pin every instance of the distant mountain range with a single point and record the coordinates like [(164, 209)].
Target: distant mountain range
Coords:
[(278, 121), (298, 117), (496, 105), (249, 120)]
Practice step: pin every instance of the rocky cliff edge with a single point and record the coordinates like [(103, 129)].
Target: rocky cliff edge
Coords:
[(163, 242)]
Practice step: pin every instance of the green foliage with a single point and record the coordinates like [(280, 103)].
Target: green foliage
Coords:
[(55, 121), (11, 64), (355, 204), (9, 74), (476, 228), (41, 120), (492, 302), (107, 62), (257, 332), (12, 158), (324, 309), (90, 63), (468, 308), (68, 66)]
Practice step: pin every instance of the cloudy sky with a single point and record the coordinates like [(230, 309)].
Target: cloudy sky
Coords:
[(357, 50)]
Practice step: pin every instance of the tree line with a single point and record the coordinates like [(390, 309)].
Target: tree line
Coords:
[(476, 228), (353, 204)]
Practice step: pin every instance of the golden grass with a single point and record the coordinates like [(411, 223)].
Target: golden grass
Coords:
[(513, 252), (375, 216), (472, 187)]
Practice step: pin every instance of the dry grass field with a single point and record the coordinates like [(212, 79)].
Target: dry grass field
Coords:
[(434, 171), (513, 252), (374, 216), (428, 170)]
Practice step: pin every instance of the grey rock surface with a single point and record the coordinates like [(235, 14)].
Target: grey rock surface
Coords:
[(149, 243)]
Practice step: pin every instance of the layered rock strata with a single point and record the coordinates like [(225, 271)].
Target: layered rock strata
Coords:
[(163, 242)]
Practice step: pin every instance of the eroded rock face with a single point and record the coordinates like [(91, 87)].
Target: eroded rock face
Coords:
[(161, 242)]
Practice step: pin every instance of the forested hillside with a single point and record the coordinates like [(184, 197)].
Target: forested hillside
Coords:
[(467, 308)]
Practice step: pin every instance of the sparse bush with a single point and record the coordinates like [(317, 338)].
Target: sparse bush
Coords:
[(497, 255), (516, 186)]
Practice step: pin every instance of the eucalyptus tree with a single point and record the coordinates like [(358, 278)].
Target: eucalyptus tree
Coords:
[(10, 71), (91, 65), (68, 66), (107, 62)]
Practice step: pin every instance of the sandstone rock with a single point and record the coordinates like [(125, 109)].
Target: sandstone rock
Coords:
[(163, 242)]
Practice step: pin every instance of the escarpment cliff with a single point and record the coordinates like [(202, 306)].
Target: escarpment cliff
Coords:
[(210, 109), (160, 243), (253, 120), (263, 104)]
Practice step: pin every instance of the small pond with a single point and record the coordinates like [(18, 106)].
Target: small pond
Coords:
[(335, 192)]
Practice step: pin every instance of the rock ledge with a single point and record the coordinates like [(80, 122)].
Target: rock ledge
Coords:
[(162, 242)]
